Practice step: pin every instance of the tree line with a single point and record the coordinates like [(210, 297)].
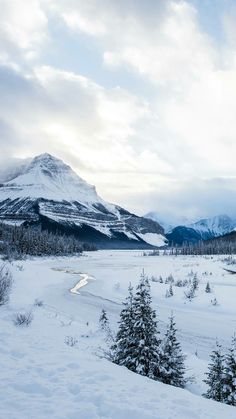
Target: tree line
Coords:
[(20, 241), (214, 247)]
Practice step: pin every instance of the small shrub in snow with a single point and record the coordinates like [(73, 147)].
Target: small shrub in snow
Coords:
[(214, 302), (208, 288), (105, 326), (180, 283), (169, 292), (191, 274), (169, 279), (190, 293), (71, 341), (38, 303), (23, 319), (5, 285)]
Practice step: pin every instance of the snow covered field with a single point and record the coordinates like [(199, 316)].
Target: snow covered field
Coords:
[(42, 376)]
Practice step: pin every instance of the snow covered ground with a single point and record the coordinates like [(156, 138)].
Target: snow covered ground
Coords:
[(42, 376)]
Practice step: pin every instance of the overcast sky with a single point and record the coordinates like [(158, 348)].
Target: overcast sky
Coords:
[(139, 97)]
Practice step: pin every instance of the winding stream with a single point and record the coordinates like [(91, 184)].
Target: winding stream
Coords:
[(81, 283)]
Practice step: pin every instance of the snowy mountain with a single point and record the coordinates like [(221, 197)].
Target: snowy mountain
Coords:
[(48, 192), (203, 229), (180, 230), (215, 226)]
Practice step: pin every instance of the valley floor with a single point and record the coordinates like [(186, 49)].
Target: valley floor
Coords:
[(43, 377)]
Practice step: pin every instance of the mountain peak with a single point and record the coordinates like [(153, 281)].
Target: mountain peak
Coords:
[(47, 161), (48, 177)]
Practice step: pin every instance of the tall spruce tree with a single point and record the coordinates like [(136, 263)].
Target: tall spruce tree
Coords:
[(215, 375), (145, 340), (229, 388), (172, 368), (122, 349)]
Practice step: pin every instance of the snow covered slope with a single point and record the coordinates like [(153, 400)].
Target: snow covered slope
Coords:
[(42, 376), (49, 192)]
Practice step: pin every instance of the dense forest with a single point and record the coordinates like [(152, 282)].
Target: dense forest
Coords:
[(20, 241)]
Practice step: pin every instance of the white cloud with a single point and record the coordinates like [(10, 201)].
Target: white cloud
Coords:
[(23, 29), (91, 127), (141, 152)]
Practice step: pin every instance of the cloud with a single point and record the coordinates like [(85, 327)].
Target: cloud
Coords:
[(161, 41), (167, 146), (69, 115), (23, 30)]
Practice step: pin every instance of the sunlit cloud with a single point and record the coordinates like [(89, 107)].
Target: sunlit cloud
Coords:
[(146, 151)]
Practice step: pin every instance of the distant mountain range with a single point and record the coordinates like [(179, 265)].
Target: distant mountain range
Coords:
[(193, 232), (45, 191)]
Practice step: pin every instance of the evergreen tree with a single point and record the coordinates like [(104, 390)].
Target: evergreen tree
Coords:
[(122, 349), (169, 292), (208, 288), (105, 326), (172, 368), (215, 375), (195, 282), (145, 341), (229, 388), (103, 320)]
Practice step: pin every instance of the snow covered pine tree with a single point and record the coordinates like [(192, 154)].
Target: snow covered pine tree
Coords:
[(215, 375), (145, 341), (137, 344), (229, 387), (105, 325), (103, 320), (172, 367), (122, 349), (208, 288)]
